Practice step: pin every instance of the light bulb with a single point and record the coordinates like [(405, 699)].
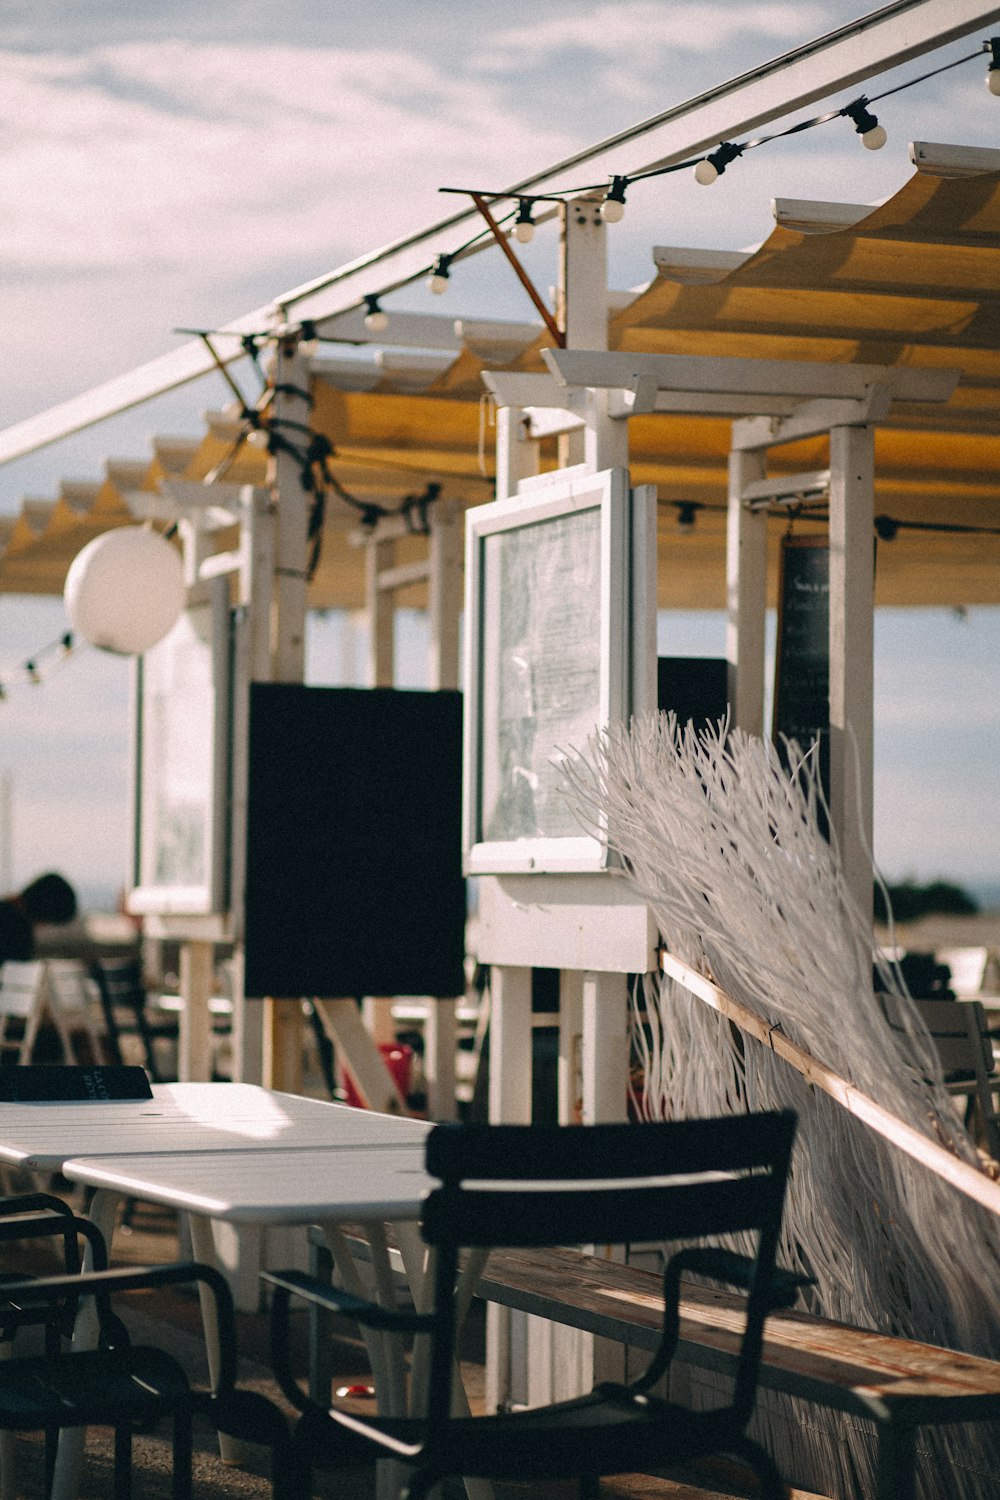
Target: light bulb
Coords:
[(524, 228), (706, 172), (437, 283), (613, 207), (257, 438), (993, 81), (874, 139), (376, 321)]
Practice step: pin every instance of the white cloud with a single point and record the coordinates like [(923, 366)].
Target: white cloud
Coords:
[(640, 33), (165, 154)]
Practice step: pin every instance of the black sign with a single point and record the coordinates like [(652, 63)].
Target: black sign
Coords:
[(802, 669), (34, 1084)]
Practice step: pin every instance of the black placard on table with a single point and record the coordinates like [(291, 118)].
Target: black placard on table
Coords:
[(58, 1083)]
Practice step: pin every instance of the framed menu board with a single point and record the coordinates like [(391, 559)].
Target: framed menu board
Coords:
[(181, 765), (548, 641), (802, 665)]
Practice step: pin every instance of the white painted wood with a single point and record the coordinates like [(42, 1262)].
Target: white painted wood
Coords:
[(605, 1047), (779, 487), (565, 922), (953, 161), (444, 605), (289, 590), (401, 576), (746, 590), (817, 416), (766, 377), (381, 610), (852, 581), (343, 1024), (440, 1041), (520, 388), (622, 403), (697, 267), (510, 1045), (551, 422), (814, 217), (517, 452), (570, 1047)]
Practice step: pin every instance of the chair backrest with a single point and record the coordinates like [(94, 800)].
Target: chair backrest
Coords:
[(524, 1185), (123, 1000), (534, 1185), (958, 1029), (960, 1032), (72, 996), (23, 1001)]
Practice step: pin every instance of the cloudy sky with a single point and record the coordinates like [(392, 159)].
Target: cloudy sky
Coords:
[(176, 164)]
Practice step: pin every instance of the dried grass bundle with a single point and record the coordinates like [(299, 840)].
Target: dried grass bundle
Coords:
[(724, 842)]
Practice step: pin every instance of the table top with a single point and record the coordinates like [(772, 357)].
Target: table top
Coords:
[(190, 1118), (306, 1186)]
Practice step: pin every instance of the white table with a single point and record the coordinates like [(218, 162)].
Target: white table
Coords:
[(237, 1153)]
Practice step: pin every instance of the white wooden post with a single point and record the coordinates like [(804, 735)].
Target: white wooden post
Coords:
[(746, 595), (509, 1103), (605, 1047), (282, 1020), (852, 599), (256, 580)]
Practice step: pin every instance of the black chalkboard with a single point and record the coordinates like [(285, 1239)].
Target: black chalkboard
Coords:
[(802, 667), (354, 854)]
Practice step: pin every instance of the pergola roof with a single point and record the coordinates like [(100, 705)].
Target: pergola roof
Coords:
[(914, 283)]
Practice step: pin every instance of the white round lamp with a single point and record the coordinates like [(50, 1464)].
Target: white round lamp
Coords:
[(125, 590)]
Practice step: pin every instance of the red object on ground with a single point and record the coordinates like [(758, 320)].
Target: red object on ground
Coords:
[(398, 1058)]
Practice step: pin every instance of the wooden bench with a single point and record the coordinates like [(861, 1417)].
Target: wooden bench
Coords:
[(898, 1384)]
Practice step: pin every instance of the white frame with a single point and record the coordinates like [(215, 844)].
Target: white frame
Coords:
[(209, 896), (550, 497)]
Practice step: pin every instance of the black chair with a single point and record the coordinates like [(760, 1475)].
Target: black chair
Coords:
[(31, 1217), (125, 1007), (132, 1387), (549, 1185)]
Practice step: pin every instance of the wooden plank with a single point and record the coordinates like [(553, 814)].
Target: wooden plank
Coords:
[(831, 1362), (904, 1137)]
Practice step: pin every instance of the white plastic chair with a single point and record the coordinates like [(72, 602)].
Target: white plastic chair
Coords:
[(22, 1007)]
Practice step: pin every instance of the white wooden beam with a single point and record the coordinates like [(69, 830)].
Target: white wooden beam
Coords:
[(697, 267), (811, 217), (953, 161), (764, 377), (778, 487)]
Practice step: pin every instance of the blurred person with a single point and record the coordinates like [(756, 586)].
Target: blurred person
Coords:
[(48, 899)]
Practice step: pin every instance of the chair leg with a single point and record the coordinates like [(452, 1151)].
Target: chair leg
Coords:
[(420, 1484), (182, 1449), (123, 1462), (772, 1486)]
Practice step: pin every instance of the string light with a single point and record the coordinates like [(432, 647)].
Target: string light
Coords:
[(524, 224), (715, 163), (437, 281), (873, 136), (613, 207), (993, 74), (376, 320), (687, 514), (308, 338)]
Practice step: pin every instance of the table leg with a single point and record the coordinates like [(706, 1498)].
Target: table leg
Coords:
[(231, 1449)]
